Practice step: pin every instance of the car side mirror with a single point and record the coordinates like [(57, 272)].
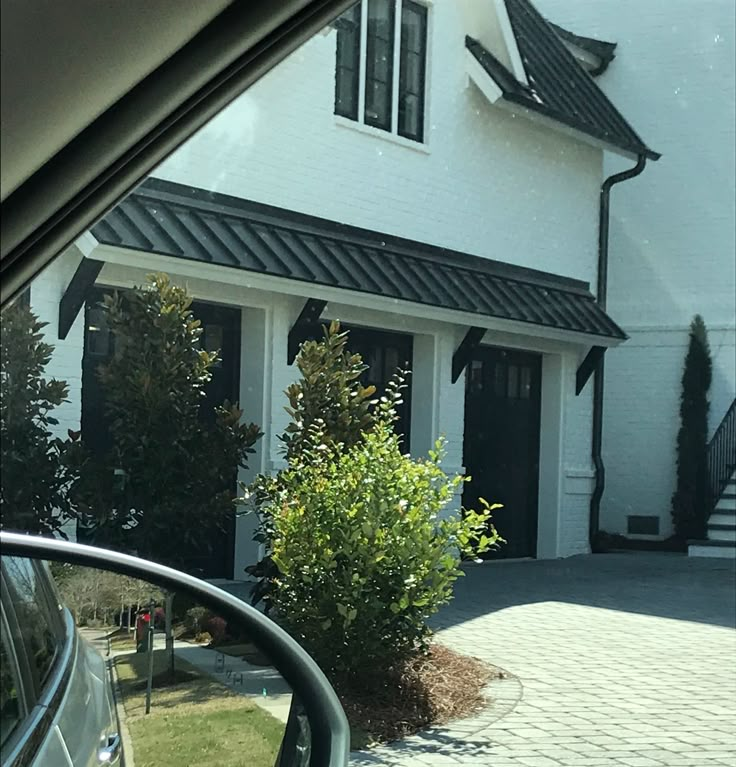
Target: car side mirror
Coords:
[(111, 653)]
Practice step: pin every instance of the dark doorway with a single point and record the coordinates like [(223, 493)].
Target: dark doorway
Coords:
[(501, 445), (384, 352), (221, 330)]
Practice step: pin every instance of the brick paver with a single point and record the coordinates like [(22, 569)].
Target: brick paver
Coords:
[(620, 660)]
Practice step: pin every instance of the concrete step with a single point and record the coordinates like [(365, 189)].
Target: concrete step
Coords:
[(727, 502), (712, 549), (721, 533), (727, 517)]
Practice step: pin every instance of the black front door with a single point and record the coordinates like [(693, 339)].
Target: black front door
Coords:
[(221, 330), (501, 444)]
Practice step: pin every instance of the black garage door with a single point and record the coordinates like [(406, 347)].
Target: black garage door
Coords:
[(501, 444)]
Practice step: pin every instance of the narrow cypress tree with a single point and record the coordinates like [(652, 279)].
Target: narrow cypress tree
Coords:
[(690, 501)]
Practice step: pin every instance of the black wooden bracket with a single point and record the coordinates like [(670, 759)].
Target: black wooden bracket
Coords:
[(587, 366), (306, 323), (464, 352), (76, 293)]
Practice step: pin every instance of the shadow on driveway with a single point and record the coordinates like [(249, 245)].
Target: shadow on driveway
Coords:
[(663, 585)]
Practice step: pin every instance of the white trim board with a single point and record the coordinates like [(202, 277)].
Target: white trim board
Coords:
[(509, 38)]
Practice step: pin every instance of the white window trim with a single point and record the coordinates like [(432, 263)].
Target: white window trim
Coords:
[(394, 130), (384, 135)]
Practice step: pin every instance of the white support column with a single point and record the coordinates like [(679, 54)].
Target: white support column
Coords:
[(450, 405), (285, 312), (254, 374), (550, 456), (424, 394)]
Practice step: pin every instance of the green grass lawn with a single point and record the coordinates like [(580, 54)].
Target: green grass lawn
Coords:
[(122, 641), (195, 721)]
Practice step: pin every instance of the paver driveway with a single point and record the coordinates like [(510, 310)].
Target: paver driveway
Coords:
[(625, 660)]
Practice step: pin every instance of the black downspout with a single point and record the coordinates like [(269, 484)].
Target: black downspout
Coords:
[(602, 287)]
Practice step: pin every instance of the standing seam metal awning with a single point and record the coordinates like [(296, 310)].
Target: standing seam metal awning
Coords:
[(185, 222)]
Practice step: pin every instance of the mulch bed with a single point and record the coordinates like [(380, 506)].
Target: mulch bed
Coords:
[(435, 689)]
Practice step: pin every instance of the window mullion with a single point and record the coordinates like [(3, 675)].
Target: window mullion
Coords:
[(362, 59), (396, 67)]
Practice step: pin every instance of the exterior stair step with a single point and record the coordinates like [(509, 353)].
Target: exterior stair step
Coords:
[(723, 517), (722, 533), (713, 549), (726, 502)]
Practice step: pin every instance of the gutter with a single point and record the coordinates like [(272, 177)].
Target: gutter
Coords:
[(601, 294)]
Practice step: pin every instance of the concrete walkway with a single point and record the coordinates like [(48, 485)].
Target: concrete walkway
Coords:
[(620, 660), (263, 684)]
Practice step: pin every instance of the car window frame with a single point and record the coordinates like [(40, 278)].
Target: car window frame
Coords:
[(41, 699), (17, 674), (50, 610)]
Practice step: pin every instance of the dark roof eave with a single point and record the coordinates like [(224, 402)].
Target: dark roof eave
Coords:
[(528, 103), (215, 229), (514, 91)]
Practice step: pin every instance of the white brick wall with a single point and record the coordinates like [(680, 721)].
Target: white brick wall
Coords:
[(672, 230), (642, 418), (66, 362)]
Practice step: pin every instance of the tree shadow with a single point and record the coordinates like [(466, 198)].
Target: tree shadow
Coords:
[(663, 585)]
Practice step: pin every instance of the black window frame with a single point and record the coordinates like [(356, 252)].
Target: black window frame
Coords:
[(404, 93), (348, 33), (383, 122), (361, 71)]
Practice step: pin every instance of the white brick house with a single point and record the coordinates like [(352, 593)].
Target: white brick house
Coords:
[(469, 244)]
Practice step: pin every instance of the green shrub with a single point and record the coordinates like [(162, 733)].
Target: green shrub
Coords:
[(166, 486), (364, 553), (330, 392), (194, 619), (690, 509), (27, 400)]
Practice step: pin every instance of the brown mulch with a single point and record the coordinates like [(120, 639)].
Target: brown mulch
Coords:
[(439, 687)]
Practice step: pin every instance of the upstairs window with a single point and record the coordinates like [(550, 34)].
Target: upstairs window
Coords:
[(381, 65)]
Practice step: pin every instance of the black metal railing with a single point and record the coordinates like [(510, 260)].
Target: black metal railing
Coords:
[(722, 454)]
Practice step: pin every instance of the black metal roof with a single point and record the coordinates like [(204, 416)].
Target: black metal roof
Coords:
[(186, 222), (601, 49), (559, 87)]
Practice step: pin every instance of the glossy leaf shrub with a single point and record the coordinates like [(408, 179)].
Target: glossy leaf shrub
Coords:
[(364, 547), (330, 392), (168, 480), (27, 442)]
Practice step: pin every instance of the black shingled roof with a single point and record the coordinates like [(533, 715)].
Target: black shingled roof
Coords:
[(559, 87), (185, 222)]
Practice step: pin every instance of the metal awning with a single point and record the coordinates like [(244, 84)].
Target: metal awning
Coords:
[(190, 223)]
